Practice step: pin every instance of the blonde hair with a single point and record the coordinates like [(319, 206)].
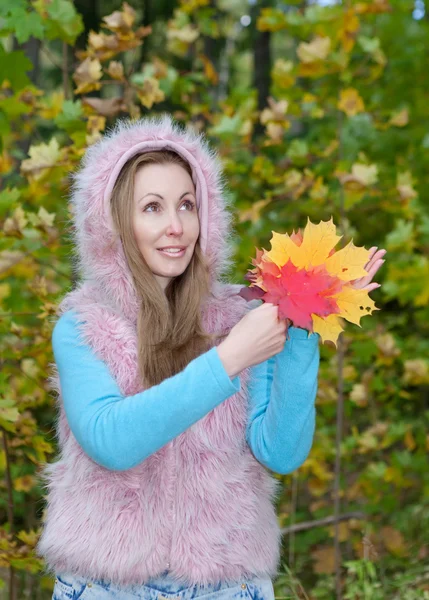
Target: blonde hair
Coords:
[(169, 328)]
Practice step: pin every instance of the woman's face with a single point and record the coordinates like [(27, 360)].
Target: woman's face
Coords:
[(165, 216)]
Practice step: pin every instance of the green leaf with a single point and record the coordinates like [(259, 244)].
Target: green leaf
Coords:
[(13, 108), (369, 45), (13, 66), (227, 126), (8, 411), (7, 198), (24, 24), (63, 20), (298, 151), (71, 119), (402, 237)]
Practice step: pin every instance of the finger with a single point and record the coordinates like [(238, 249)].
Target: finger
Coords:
[(364, 281), (372, 251), (372, 286), (373, 270), (378, 255)]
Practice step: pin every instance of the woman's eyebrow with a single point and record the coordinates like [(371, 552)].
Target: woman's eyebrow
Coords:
[(162, 198)]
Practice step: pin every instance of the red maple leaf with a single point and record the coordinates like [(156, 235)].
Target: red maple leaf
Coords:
[(299, 293)]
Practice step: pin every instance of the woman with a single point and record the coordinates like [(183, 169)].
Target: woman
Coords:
[(175, 396)]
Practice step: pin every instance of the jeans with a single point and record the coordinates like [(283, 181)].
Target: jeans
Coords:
[(72, 587)]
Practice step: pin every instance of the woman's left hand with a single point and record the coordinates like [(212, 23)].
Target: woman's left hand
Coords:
[(372, 266)]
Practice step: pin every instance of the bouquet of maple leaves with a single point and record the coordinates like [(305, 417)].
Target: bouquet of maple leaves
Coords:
[(310, 282)]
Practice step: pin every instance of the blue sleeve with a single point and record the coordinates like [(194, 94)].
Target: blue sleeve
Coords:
[(282, 394), (119, 432)]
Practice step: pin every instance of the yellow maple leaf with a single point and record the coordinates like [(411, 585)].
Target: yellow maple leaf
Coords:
[(317, 49), (254, 212), (318, 241), (42, 157), (282, 73), (121, 20), (347, 263), (354, 304), (150, 92), (361, 177), (116, 70), (87, 76), (400, 119), (328, 327), (282, 249), (350, 102)]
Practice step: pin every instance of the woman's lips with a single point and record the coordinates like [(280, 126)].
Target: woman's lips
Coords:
[(172, 254)]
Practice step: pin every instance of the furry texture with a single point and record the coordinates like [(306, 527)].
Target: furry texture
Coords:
[(202, 505)]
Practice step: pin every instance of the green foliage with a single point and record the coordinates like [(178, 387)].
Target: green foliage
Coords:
[(344, 133)]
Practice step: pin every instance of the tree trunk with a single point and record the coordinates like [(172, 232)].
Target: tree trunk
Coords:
[(262, 61)]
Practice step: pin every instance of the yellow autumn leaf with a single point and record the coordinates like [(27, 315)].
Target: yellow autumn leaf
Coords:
[(15, 223), (318, 241), (276, 112), (374, 7), (209, 69), (275, 131), (187, 34), (400, 119), (316, 50), (46, 219), (366, 174), (4, 290), (29, 367), (416, 372), (393, 540), (43, 156), (52, 105), (116, 70), (347, 263), (347, 33), (101, 46), (404, 185), (282, 249), (253, 213), (121, 20), (24, 483), (30, 538), (324, 560), (359, 394), (179, 38), (350, 102), (87, 76), (328, 327), (354, 304), (319, 191), (188, 6), (282, 73), (150, 93)]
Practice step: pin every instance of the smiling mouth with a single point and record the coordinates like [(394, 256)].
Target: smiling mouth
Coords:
[(172, 253)]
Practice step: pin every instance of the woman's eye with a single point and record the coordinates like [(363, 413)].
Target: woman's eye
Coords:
[(155, 205), (150, 206), (190, 203)]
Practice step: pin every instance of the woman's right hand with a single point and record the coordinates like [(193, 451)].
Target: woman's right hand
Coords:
[(259, 335)]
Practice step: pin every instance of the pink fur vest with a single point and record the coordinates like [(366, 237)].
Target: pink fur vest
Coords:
[(202, 506)]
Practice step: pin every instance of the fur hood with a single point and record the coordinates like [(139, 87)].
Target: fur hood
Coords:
[(100, 257)]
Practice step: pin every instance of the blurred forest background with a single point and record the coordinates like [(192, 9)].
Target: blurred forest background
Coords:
[(316, 109)]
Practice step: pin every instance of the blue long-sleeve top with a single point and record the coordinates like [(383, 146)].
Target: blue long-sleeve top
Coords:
[(119, 432)]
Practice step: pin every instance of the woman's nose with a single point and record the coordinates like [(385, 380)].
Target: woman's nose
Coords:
[(175, 224)]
